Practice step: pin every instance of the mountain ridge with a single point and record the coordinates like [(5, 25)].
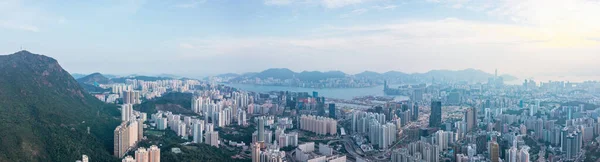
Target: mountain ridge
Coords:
[(284, 73), (44, 113)]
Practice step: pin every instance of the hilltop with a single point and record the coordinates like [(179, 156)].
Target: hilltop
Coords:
[(45, 114), (94, 78)]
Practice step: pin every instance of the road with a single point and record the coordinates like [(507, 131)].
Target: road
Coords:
[(349, 146)]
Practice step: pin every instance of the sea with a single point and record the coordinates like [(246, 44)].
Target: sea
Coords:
[(338, 93)]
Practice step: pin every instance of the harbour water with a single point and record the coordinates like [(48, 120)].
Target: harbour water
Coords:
[(339, 93)]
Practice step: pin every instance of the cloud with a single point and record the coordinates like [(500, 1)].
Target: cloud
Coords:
[(190, 4), (386, 7), (340, 3), (23, 27), (278, 2), (15, 15), (457, 6), (355, 12), (330, 4), (412, 46), (565, 23), (186, 46)]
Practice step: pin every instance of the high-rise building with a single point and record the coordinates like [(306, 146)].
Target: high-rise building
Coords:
[(181, 129), (141, 155), (241, 117), (319, 125), (260, 123), (524, 154), (212, 138), (121, 140), (128, 158), (512, 154), (415, 112), (435, 120), (332, 111), (197, 131), (140, 129), (197, 103), (494, 151), (416, 152), (256, 152), (153, 154), (471, 120), (125, 136), (131, 97), (161, 123), (126, 112)]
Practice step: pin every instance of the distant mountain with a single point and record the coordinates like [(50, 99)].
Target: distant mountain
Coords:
[(507, 77), (110, 76), (92, 89), (471, 75), (395, 74), (313, 76), (367, 74), (276, 73), (145, 78), (168, 76), (228, 75), (94, 78), (77, 75), (284, 73), (45, 114)]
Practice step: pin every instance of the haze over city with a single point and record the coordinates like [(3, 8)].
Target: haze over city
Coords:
[(525, 38), (300, 80)]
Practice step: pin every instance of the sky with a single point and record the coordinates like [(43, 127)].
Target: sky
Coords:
[(524, 38)]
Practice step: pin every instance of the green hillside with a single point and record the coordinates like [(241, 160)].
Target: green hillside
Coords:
[(44, 113)]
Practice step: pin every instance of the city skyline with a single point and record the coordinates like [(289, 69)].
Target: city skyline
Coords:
[(199, 38)]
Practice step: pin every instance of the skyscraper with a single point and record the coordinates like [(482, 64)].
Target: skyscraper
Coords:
[(332, 110), (260, 123), (121, 140), (131, 97), (435, 120), (415, 112), (140, 129), (125, 136), (494, 151), (126, 112), (153, 154), (471, 119), (141, 155), (128, 159), (212, 138), (197, 129), (256, 152)]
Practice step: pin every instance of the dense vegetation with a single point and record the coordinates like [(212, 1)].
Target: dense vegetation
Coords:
[(45, 114), (178, 103), (237, 133), (198, 152), (92, 89), (193, 152), (94, 78)]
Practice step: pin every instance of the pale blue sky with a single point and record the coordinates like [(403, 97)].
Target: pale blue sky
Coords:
[(206, 37)]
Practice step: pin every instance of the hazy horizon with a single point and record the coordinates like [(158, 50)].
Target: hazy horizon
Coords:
[(526, 38)]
